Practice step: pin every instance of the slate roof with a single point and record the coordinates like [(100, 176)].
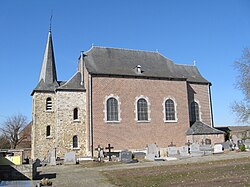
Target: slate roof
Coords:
[(48, 77), (48, 70), (115, 61), (73, 84), (199, 128)]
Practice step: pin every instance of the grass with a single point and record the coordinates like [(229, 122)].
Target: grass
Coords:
[(234, 172)]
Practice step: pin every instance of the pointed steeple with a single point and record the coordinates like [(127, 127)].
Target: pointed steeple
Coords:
[(48, 70)]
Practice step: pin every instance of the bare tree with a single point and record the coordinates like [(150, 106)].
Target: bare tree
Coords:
[(12, 127), (242, 108), (5, 144)]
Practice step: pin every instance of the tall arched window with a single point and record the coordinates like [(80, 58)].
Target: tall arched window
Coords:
[(195, 113), (48, 104), (112, 109), (169, 110), (75, 114), (48, 130), (142, 110), (75, 141)]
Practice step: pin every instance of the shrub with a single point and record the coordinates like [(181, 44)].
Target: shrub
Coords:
[(242, 148)]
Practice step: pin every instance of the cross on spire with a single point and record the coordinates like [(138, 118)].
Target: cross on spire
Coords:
[(50, 22)]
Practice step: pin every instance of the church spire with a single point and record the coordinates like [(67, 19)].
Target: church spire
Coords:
[(48, 71)]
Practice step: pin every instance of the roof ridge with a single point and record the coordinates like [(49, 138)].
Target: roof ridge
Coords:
[(191, 65), (127, 49)]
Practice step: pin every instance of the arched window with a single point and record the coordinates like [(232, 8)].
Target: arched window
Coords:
[(75, 114), (169, 110), (112, 109), (195, 113), (142, 110), (75, 141), (48, 130), (48, 104)]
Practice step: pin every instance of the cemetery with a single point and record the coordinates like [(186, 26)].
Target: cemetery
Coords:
[(31, 171)]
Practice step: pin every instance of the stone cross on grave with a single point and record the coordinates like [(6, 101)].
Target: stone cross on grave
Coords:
[(171, 145), (109, 149), (99, 149)]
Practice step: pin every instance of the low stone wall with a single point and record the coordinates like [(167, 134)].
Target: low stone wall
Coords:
[(215, 138), (18, 172)]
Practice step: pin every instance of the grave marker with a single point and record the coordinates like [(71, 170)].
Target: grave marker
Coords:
[(99, 149), (172, 151), (52, 157), (126, 156), (218, 148), (70, 158), (109, 151)]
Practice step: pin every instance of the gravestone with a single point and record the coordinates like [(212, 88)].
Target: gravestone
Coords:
[(52, 157), (126, 156), (195, 150), (139, 155), (152, 152), (227, 145), (99, 149), (183, 150), (109, 151), (206, 149), (218, 148), (70, 158), (235, 140), (195, 147), (172, 151)]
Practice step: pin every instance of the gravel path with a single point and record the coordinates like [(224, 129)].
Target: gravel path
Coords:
[(77, 175)]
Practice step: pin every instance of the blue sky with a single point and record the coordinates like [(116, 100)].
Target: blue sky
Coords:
[(211, 32)]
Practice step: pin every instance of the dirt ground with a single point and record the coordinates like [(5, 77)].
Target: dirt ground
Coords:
[(231, 169)]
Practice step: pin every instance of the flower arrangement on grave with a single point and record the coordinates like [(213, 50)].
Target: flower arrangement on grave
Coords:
[(46, 182)]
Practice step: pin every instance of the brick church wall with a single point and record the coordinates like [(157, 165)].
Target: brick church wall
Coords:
[(200, 94), (128, 133)]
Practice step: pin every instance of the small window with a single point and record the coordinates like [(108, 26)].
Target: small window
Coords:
[(142, 110), (75, 141), (170, 110), (75, 114), (48, 104), (195, 113), (48, 130), (112, 109)]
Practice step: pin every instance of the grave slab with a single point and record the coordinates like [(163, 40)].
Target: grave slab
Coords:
[(70, 158)]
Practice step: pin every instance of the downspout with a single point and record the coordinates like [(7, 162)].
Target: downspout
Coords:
[(90, 117), (211, 106)]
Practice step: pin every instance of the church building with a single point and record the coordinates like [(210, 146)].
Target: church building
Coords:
[(123, 97)]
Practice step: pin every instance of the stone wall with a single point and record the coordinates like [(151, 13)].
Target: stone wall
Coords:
[(41, 143), (67, 127), (216, 138), (63, 126)]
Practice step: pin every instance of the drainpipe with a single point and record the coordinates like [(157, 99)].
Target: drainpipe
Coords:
[(211, 106), (90, 117)]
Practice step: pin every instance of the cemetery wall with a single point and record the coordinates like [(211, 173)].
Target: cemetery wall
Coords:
[(200, 94), (41, 118), (129, 133)]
